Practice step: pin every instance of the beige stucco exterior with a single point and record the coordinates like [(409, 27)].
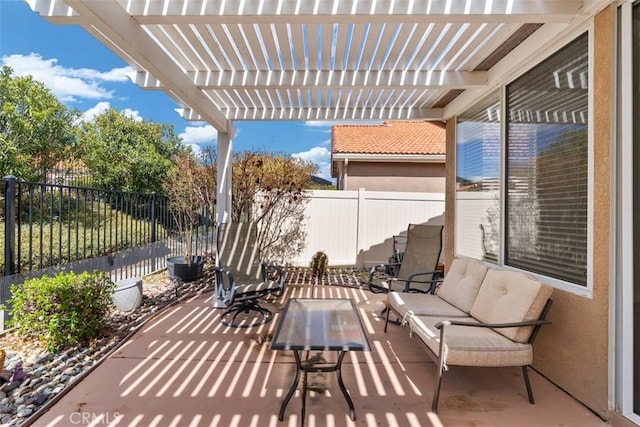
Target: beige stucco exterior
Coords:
[(573, 351), (392, 176)]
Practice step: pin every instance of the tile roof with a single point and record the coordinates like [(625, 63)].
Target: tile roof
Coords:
[(391, 137)]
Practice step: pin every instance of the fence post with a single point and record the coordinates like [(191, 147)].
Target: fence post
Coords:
[(10, 225), (153, 217), (360, 236)]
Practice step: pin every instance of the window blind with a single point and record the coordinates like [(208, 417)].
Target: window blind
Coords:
[(547, 166)]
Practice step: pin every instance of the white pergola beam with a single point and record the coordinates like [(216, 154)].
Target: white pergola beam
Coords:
[(327, 79), (348, 11), (321, 114), (179, 12), (113, 25), (341, 113), (520, 59)]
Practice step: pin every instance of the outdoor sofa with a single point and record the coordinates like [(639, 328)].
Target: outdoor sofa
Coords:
[(479, 316)]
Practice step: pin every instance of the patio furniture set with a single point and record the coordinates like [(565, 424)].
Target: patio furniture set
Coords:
[(476, 315)]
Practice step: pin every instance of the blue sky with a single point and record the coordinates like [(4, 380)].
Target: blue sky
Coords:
[(84, 74)]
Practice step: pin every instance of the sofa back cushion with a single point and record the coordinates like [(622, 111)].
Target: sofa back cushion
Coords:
[(510, 296), (462, 282)]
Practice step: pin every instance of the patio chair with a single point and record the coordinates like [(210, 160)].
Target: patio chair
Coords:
[(242, 279), (399, 244), (417, 270)]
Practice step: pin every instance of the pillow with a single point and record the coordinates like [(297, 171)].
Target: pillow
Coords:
[(510, 296), (462, 282)]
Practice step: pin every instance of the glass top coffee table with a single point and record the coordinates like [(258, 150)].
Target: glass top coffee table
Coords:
[(318, 324)]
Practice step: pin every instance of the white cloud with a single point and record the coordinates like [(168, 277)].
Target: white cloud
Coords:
[(321, 156), (320, 123), (135, 115), (103, 106), (195, 149), (68, 84), (96, 110), (204, 134)]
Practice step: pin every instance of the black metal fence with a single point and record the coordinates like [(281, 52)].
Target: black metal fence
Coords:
[(48, 228)]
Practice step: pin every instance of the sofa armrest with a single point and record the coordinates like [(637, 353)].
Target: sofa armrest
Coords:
[(444, 323)]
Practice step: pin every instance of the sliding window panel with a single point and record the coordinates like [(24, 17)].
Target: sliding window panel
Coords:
[(478, 180)]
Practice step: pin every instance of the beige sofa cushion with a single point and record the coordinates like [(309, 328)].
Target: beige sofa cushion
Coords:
[(471, 346), (423, 304), (462, 282), (510, 296)]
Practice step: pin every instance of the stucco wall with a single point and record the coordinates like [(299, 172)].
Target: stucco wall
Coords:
[(573, 352), (390, 176)]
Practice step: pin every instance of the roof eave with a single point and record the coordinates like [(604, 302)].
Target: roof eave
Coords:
[(366, 157)]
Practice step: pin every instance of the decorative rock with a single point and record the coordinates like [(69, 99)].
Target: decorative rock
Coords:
[(25, 412), (41, 398), (46, 375), (43, 359), (10, 386)]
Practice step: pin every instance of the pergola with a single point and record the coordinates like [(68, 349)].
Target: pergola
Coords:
[(226, 60)]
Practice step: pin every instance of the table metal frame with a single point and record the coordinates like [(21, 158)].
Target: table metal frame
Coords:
[(349, 336)]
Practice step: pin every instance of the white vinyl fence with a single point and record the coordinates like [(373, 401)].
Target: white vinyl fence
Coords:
[(356, 228)]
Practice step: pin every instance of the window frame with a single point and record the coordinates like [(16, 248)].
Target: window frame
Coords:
[(581, 290)]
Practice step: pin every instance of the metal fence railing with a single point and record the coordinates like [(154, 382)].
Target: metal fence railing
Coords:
[(48, 228)]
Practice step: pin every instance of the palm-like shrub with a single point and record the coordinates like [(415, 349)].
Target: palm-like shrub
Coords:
[(319, 264)]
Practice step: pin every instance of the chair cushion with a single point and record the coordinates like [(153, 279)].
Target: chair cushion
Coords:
[(462, 282), (510, 296), (471, 346), (421, 304)]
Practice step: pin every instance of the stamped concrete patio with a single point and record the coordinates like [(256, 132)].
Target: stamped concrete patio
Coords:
[(184, 368)]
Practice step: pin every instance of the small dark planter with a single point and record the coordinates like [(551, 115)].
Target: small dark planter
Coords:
[(186, 272)]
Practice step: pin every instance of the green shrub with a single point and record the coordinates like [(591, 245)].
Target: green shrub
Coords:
[(319, 264), (63, 310)]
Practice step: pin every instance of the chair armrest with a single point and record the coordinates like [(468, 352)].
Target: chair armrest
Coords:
[(224, 294), (222, 270), (380, 268), (413, 279)]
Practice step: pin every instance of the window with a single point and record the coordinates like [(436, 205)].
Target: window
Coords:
[(544, 184), (478, 180), (547, 166)]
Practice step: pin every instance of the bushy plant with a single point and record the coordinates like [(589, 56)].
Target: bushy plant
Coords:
[(319, 264), (190, 188), (270, 189), (64, 310)]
